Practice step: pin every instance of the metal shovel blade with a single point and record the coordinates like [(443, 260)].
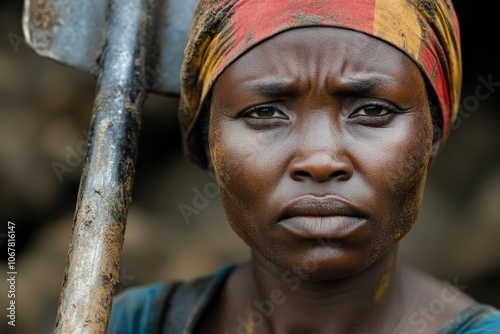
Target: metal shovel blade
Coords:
[(72, 32)]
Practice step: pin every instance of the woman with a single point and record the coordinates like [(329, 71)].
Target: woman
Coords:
[(320, 120)]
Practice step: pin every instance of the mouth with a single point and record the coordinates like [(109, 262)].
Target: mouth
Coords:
[(313, 217)]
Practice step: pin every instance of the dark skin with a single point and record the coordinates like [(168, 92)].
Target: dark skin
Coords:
[(321, 139)]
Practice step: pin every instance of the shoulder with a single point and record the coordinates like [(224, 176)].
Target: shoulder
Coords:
[(134, 310), (479, 318), (431, 303), (145, 309)]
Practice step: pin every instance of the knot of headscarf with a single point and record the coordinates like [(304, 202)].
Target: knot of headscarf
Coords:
[(222, 30)]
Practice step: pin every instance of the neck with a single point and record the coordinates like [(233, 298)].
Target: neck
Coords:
[(291, 304)]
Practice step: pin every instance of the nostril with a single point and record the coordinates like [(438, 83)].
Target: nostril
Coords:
[(319, 178), (338, 174), (302, 174)]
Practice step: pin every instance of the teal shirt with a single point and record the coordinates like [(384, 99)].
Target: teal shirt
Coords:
[(176, 308)]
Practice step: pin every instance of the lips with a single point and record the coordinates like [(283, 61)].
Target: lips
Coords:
[(320, 207), (321, 217)]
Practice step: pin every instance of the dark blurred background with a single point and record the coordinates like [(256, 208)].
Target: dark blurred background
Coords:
[(44, 115)]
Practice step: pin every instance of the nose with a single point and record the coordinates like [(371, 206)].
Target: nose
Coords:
[(321, 157), (320, 166)]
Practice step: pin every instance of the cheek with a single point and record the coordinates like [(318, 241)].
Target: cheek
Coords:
[(411, 166), (401, 176), (245, 161), (242, 175), (231, 154)]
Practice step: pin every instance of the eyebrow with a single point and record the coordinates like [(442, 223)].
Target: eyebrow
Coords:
[(272, 89), (366, 85), (363, 85), (348, 86)]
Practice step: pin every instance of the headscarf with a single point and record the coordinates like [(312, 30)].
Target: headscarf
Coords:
[(222, 30)]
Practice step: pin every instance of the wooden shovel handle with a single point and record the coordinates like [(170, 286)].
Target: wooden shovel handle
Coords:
[(92, 267)]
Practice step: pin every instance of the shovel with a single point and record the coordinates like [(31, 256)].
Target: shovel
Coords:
[(133, 47)]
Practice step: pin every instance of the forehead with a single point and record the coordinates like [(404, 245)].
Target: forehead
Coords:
[(328, 56)]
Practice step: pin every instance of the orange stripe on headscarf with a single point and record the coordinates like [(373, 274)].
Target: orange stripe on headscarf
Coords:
[(222, 30)]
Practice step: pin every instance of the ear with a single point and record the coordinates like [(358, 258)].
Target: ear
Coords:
[(436, 145), (210, 165)]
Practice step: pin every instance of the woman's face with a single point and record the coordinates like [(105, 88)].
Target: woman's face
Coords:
[(320, 139)]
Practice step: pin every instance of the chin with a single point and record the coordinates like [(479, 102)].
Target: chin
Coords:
[(326, 262)]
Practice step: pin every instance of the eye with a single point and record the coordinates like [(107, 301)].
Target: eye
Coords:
[(264, 112), (373, 111)]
